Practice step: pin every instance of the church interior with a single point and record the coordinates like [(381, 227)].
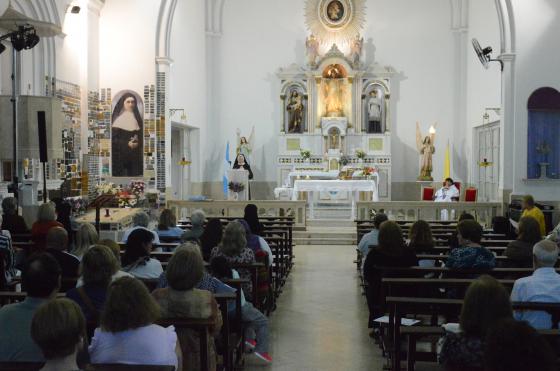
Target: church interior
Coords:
[(278, 183)]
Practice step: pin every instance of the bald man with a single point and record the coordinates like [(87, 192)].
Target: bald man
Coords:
[(57, 246)]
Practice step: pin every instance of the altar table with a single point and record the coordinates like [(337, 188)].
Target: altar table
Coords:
[(350, 186), (311, 174), (111, 226)]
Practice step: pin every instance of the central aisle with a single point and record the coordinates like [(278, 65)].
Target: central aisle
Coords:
[(320, 323)]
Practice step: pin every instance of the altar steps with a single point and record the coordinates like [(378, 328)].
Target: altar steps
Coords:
[(328, 233)]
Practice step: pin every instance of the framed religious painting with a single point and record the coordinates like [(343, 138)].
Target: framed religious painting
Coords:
[(335, 21)]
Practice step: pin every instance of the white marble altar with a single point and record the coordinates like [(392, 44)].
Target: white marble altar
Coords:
[(352, 187), (335, 92)]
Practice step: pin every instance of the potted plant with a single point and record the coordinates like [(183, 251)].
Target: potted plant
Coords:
[(360, 154), (306, 154)]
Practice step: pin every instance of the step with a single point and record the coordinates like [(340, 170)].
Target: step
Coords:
[(318, 222), (324, 241)]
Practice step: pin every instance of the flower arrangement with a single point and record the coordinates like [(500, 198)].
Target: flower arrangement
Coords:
[(236, 187), (106, 189), (126, 196), (305, 153), (360, 153), (369, 170)]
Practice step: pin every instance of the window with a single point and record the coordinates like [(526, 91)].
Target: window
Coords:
[(543, 139)]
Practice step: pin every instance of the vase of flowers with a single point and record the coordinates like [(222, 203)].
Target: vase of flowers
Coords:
[(236, 188)]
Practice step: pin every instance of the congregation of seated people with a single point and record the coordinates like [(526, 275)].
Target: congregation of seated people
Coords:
[(109, 315), (489, 333)]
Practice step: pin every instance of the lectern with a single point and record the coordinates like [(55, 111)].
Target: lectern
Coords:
[(238, 176)]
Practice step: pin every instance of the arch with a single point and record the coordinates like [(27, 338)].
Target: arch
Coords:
[(507, 26), (163, 31), (44, 55), (546, 98)]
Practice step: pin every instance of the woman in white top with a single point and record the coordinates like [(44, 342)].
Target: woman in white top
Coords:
[(136, 259), (128, 333)]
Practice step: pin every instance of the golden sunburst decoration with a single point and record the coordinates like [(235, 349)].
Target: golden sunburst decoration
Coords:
[(335, 21)]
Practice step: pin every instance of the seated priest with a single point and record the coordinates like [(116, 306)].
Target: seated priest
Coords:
[(448, 192)]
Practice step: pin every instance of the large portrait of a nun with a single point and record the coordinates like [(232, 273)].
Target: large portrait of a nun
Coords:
[(127, 132)]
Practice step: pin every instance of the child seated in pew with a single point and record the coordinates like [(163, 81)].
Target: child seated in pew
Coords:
[(256, 323)]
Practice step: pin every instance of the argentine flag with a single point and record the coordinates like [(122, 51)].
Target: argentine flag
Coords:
[(227, 165)]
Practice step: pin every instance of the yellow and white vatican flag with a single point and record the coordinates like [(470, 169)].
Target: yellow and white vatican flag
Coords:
[(447, 163)]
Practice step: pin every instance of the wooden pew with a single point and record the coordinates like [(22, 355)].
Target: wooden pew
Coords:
[(399, 307), (414, 334)]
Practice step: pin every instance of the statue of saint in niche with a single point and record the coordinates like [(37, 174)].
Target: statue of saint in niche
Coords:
[(335, 11), (374, 105), (334, 90), (427, 149), (295, 110), (127, 134)]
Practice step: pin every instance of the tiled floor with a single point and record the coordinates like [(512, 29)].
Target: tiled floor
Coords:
[(320, 323)]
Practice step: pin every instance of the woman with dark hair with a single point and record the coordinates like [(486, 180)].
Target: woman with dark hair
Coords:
[(486, 302), (211, 237), (167, 229), (136, 259), (520, 251), (127, 132), (390, 252), (252, 218), (452, 240), (64, 216), (470, 253), (241, 163), (421, 241)]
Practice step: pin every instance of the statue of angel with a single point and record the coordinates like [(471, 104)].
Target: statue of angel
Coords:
[(312, 45), (356, 50), (426, 149), (244, 145)]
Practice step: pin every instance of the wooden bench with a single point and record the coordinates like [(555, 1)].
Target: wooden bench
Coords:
[(414, 334), (399, 307)]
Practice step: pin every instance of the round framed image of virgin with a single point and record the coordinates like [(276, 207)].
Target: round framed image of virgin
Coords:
[(335, 13)]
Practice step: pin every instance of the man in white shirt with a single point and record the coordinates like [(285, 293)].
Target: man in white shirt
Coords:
[(543, 286), (448, 192)]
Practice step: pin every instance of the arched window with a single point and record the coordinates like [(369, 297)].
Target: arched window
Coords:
[(543, 139)]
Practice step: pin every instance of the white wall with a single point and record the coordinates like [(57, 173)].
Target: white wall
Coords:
[(261, 36), (187, 79), (127, 31), (536, 66), (483, 85)]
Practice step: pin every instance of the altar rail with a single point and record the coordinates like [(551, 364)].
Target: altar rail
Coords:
[(427, 210), (183, 209)]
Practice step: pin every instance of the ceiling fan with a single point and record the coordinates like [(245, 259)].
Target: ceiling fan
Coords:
[(484, 55)]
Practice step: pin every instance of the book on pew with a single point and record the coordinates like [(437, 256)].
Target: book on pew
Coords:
[(404, 321)]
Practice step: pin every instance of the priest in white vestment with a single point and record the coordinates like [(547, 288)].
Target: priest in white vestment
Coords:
[(447, 193)]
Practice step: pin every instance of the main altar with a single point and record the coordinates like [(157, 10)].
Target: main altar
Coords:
[(335, 122)]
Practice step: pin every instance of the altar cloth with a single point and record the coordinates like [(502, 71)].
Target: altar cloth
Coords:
[(350, 186)]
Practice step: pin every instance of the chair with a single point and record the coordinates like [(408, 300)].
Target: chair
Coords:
[(471, 194), (428, 193)]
